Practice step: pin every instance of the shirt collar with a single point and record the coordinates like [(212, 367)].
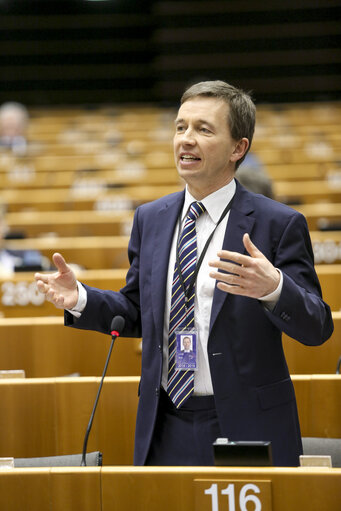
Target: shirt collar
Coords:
[(215, 203)]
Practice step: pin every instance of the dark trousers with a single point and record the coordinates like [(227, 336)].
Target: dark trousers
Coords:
[(184, 436)]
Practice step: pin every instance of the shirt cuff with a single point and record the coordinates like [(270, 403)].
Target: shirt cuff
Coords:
[(81, 303), (270, 300)]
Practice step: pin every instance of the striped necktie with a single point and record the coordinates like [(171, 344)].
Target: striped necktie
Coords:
[(181, 382)]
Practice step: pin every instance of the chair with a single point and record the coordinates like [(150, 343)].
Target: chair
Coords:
[(323, 446), (70, 460)]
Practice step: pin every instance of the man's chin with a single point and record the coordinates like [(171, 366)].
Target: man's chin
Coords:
[(188, 174)]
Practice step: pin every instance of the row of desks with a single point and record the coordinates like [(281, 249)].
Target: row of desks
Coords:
[(95, 252), (93, 194), (114, 222), (169, 488), (19, 295), (43, 347), (48, 416), (124, 170)]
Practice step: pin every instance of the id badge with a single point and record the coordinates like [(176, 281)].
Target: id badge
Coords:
[(186, 350)]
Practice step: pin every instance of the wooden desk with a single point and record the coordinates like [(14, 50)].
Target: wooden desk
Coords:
[(19, 296), (28, 177), (113, 223), (71, 223), (51, 489), (297, 171), (91, 252), (307, 192), (169, 488), (319, 215), (43, 347), (48, 416), (330, 279), (65, 199), (314, 359), (100, 252), (166, 488)]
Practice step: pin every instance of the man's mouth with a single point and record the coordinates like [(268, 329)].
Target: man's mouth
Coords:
[(189, 157)]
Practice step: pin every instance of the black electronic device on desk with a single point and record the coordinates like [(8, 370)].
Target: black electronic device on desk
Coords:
[(242, 454)]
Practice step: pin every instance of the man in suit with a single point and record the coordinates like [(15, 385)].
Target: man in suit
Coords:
[(245, 294)]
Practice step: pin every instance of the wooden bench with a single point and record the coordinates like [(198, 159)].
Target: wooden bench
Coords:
[(96, 252), (129, 174), (46, 417), (91, 252), (67, 199), (321, 215), (124, 488), (306, 192), (96, 197), (314, 359), (330, 280), (111, 222), (43, 347), (19, 296), (71, 223)]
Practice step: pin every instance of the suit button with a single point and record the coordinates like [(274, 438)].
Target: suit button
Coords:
[(285, 316), (160, 346), (157, 391)]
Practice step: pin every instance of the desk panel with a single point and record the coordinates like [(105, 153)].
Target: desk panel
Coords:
[(166, 488), (90, 252), (322, 359), (174, 488), (44, 347), (51, 489), (47, 417)]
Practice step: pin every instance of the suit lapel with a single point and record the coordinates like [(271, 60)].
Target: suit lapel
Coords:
[(238, 224), (165, 221)]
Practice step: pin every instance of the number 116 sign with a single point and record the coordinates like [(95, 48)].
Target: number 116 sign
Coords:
[(226, 495)]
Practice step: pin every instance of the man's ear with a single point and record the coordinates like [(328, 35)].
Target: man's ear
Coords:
[(240, 149)]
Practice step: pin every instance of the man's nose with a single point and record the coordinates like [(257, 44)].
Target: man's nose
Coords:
[(188, 136)]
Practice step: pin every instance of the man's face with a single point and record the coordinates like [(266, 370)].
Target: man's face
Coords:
[(204, 150), (187, 343)]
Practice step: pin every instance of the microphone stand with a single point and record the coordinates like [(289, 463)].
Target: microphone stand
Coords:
[(116, 326)]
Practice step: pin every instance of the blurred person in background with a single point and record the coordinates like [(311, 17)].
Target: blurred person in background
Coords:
[(13, 127)]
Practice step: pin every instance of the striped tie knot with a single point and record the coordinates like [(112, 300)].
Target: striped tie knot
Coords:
[(195, 210)]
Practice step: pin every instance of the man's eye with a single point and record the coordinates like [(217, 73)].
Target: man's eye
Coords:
[(205, 130), (179, 129)]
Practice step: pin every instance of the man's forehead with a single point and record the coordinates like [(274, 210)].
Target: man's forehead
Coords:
[(202, 108)]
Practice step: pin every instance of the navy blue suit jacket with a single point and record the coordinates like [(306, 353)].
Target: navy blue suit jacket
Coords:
[(253, 391)]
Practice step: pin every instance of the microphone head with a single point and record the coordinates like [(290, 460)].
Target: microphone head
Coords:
[(117, 324)]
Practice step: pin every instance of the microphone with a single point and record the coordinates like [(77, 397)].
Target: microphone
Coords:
[(338, 366), (116, 328)]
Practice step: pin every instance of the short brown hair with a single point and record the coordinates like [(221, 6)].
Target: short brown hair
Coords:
[(242, 112)]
